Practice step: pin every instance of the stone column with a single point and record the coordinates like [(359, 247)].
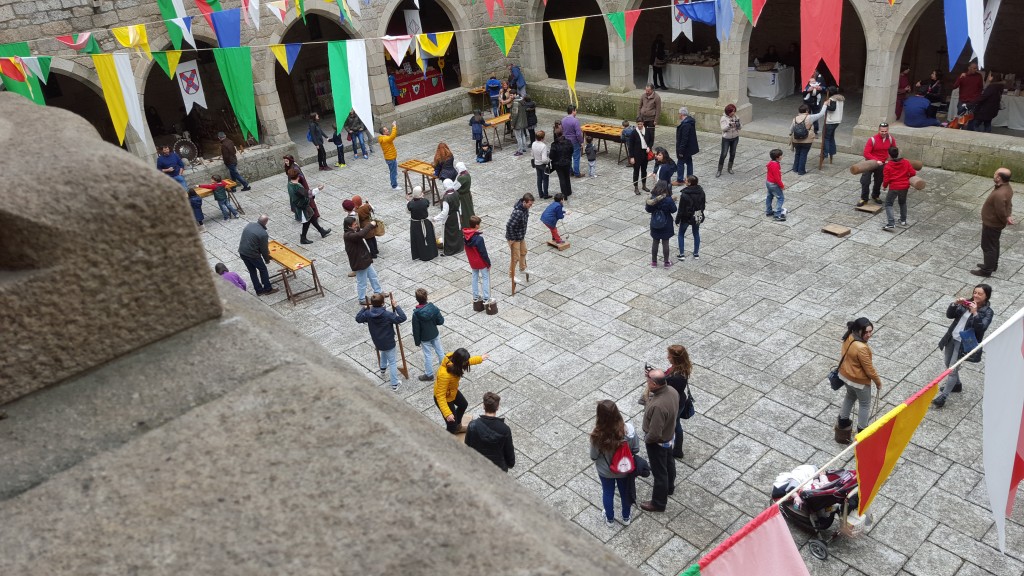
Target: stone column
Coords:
[(380, 90), (620, 63), (471, 66), (732, 65), (268, 101), (880, 80), (531, 50)]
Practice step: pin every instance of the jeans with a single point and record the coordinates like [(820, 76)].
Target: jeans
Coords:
[(393, 170), (773, 192), (233, 171), (431, 348), (542, 181), (696, 237), (830, 139), (458, 408), (591, 167), (554, 234), (518, 248), (258, 273), (321, 156), (728, 146), (861, 394), (521, 90), (990, 248), (341, 154), (950, 355), (663, 468), (181, 180), (521, 140), (494, 106), (361, 277), (890, 197), (608, 496), (357, 138), (482, 276), (865, 179), (227, 208), (684, 165), (800, 158), (576, 149), (389, 362)]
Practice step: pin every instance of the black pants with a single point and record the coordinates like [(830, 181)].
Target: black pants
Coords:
[(258, 273), (865, 178), (371, 243), (654, 249), (564, 180), (640, 171), (663, 468), (990, 248), (458, 408), (659, 76), (321, 156), (649, 133), (341, 154), (728, 147), (542, 181), (316, 224)]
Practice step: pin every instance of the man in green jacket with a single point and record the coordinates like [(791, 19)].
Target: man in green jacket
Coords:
[(425, 320)]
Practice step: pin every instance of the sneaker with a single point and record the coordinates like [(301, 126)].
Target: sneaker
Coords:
[(626, 520), (862, 203), (426, 378), (939, 401), (609, 521), (654, 263), (958, 387), (397, 387), (517, 279), (780, 218), (876, 199), (395, 188), (383, 373), (339, 165), (365, 157), (769, 214), (696, 257), (903, 223), (668, 263), (889, 227), (680, 257), (527, 274)]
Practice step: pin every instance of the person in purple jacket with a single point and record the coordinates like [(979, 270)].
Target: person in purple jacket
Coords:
[(574, 134), (232, 277)]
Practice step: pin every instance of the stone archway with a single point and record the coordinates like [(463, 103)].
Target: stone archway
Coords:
[(595, 64), (306, 88), (76, 88), (658, 22)]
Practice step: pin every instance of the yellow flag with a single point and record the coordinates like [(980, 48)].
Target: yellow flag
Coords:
[(568, 34), (112, 93), (279, 53), (133, 37), (435, 44)]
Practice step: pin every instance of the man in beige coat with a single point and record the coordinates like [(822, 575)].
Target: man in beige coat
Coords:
[(648, 113), (996, 213)]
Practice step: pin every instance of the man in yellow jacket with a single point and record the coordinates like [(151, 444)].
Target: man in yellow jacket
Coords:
[(387, 147), (447, 396)]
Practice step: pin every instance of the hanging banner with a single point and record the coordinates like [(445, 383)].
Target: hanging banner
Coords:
[(251, 8), (955, 12), (820, 25), (764, 546), (504, 37), (434, 43), (235, 66), (278, 9), (170, 10), (976, 29), (286, 55), (168, 61), (752, 9), (412, 22), (723, 19), (623, 22), (84, 42), (39, 66), (490, 7), (191, 85), (30, 87), (350, 80), (207, 7), (568, 35), (681, 24), (133, 37), (703, 12), (397, 47), (118, 83), (185, 26), (991, 9), (227, 25)]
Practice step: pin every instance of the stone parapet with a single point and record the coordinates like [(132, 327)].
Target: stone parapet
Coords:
[(958, 150), (253, 163)]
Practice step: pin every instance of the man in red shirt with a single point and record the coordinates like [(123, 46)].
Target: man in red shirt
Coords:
[(896, 179), (877, 149), (971, 83)]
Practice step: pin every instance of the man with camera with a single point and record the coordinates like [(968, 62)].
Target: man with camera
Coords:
[(660, 414)]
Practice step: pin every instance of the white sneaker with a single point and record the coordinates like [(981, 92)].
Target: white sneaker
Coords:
[(607, 521), (517, 280), (397, 387), (527, 274), (626, 521), (395, 188)]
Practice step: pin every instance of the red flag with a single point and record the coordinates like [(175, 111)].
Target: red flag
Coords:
[(820, 22), (206, 7), (758, 6), (764, 546), (11, 68), (631, 17)]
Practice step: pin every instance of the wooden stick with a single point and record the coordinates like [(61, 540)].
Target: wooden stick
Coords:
[(869, 165), (917, 182), (398, 332)]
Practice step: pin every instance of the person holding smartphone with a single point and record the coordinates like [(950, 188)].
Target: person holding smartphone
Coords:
[(974, 314)]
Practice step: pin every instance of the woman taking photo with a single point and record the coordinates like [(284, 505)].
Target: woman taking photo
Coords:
[(856, 369), (637, 147), (678, 377), (973, 314), (422, 240), (730, 124), (447, 397), (610, 431), (661, 207)]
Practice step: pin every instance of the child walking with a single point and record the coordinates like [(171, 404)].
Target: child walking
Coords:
[(339, 143), (425, 320), (220, 194), (479, 261), (477, 124), (591, 152), (775, 186), (551, 215), (896, 179), (382, 332), (197, 205)]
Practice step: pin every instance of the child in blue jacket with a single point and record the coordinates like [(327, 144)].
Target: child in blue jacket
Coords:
[(551, 215), (197, 205), (477, 123)]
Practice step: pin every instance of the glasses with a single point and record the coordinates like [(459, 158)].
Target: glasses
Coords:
[(883, 125)]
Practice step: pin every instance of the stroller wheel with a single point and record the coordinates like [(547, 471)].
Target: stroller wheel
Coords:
[(818, 548)]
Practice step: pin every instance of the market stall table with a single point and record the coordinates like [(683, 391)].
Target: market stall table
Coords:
[(415, 86), (687, 77), (426, 172), (772, 84), (604, 132), (485, 100), (291, 262)]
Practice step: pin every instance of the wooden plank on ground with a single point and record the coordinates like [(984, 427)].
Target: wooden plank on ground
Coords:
[(836, 230), (870, 208)]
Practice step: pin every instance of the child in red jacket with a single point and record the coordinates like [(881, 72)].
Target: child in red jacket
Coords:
[(896, 178), (775, 186), (479, 262)]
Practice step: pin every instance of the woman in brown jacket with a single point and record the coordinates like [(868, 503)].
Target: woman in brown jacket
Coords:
[(858, 372)]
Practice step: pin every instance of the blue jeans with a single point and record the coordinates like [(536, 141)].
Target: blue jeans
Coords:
[(258, 273), (494, 105), (684, 165), (542, 181), (830, 139), (892, 196), (800, 158), (773, 191), (233, 171), (361, 277), (226, 207), (576, 148), (431, 348), (608, 496), (389, 361), (357, 138), (482, 276), (181, 180), (393, 170), (696, 237)]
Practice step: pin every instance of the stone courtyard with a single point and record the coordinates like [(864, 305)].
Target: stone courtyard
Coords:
[(761, 314)]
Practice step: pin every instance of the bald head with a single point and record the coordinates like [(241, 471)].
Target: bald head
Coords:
[(263, 219), (655, 379), (1003, 175)]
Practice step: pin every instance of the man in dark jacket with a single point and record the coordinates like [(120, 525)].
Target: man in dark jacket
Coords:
[(425, 320), (987, 106), (317, 137), (490, 436), (382, 332), (230, 156), (996, 214), (686, 145), (254, 250), (660, 415), (359, 258), (515, 233)]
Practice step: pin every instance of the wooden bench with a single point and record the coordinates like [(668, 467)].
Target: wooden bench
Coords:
[(493, 124), (291, 262), (427, 178), (205, 190), (605, 132)]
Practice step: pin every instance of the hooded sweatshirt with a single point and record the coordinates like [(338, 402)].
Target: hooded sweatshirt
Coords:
[(381, 321), (897, 174), (491, 437), (476, 252)]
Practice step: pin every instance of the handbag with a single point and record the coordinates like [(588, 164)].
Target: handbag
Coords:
[(833, 377), (622, 460), (650, 155), (688, 408), (968, 341), (700, 219)]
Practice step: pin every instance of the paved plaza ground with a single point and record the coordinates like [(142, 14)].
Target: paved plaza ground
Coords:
[(761, 314)]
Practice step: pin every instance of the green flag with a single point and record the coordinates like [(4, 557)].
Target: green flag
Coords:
[(235, 66), (337, 60), (504, 36), (30, 87), (618, 20), (168, 11), (168, 61)]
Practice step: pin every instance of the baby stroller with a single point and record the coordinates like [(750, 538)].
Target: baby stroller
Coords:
[(815, 507)]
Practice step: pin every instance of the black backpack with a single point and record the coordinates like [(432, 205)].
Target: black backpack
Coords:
[(799, 129)]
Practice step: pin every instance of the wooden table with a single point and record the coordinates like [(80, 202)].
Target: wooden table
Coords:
[(493, 123), (605, 132), (428, 180), (229, 186), (291, 262), (482, 92)]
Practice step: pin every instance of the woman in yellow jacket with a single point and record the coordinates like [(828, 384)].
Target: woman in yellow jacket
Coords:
[(858, 372), (447, 397)]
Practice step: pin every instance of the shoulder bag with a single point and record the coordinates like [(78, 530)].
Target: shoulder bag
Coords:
[(833, 377), (688, 408)]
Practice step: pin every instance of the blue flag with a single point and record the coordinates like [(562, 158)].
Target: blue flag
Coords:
[(956, 28), (723, 19), (703, 12), (227, 25)]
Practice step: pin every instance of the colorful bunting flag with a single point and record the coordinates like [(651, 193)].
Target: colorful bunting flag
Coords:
[(623, 22), (300, 10), (350, 80), (763, 547), (118, 83), (227, 25), (133, 37), (955, 12), (880, 445), (168, 61), (752, 9), (568, 35), (703, 12), (29, 88), (976, 29), (251, 8), (278, 9), (235, 66), (207, 7), (490, 7), (1002, 411), (723, 19), (681, 24), (39, 66), (191, 85), (397, 47), (171, 10), (434, 43), (13, 69), (991, 10), (821, 22), (286, 55), (504, 37), (84, 42)]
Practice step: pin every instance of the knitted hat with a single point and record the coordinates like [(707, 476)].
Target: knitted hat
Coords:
[(348, 205)]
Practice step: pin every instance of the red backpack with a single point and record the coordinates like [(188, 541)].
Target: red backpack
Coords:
[(622, 461)]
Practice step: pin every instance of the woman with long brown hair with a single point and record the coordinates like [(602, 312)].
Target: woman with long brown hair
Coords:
[(610, 431), (678, 377), (444, 163)]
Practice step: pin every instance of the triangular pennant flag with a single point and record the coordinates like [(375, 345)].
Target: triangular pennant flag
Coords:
[(39, 66), (133, 37), (84, 42), (821, 22), (350, 80), (227, 25), (764, 546), (752, 9), (880, 445), (435, 43), (490, 7), (118, 83), (397, 47), (623, 22), (235, 66), (681, 24), (191, 85), (300, 10), (30, 87), (207, 7), (286, 55), (185, 26), (568, 34), (955, 12), (168, 60), (504, 37), (171, 9), (723, 19), (13, 69), (251, 8), (703, 12), (278, 9), (976, 29)]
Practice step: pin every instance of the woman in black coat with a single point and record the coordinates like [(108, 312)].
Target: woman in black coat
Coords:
[(561, 161), (637, 147), (665, 167), (691, 201), (974, 314), (987, 107), (661, 207)]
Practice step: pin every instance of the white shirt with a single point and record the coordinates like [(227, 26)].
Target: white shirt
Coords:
[(961, 325), (540, 153)]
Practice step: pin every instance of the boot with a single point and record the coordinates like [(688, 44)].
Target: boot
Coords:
[(730, 167), (478, 305), (719, 173), (844, 430), (636, 188), (491, 307), (645, 188), (305, 240), (677, 448)]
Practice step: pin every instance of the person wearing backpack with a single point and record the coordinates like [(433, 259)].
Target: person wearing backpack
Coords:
[(610, 434), (801, 136), (661, 207), (691, 201)]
